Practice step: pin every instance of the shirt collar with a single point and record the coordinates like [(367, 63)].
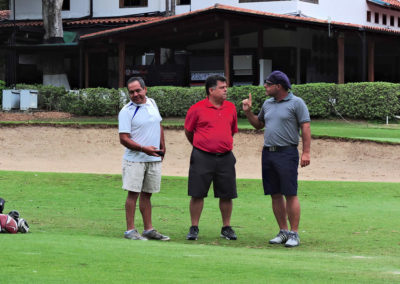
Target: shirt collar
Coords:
[(133, 104), (209, 104), (287, 98)]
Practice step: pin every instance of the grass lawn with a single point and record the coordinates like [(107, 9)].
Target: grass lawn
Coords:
[(349, 232)]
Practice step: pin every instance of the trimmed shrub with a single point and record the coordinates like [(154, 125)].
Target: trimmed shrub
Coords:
[(49, 97), (318, 98), (368, 100)]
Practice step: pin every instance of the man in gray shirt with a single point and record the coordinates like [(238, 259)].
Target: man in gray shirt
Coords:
[(283, 116)]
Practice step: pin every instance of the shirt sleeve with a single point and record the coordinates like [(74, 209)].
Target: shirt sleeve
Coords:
[(124, 122), (235, 121), (190, 120), (302, 112)]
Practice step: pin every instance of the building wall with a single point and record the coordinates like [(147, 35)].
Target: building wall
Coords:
[(32, 9), (110, 8), (354, 11)]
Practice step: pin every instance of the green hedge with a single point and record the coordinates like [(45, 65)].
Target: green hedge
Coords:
[(368, 100), (353, 100)]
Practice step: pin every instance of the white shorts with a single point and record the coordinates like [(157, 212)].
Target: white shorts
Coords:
[(141, 176)]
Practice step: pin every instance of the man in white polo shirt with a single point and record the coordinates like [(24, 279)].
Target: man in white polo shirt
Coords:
[(140, 131)]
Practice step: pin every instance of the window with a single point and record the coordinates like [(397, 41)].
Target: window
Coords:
[(368, 16), (183, 2), (376, 18), (398, 22), (392, 21), (132, 3), (384, 20), (66, 5)]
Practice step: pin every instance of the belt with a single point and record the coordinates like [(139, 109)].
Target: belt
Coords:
[(278, 148), (213, 154)]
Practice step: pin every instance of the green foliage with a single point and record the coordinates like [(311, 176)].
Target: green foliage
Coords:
[(238, 94), (175, 101), (368, 100), (99, 101), (352, 100), (317, 97), (49, 97)]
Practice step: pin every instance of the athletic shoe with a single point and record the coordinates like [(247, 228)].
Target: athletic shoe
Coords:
[(280, 238), (293, 241), (134, 235), (228, 233), (193, 233), (154, 235)]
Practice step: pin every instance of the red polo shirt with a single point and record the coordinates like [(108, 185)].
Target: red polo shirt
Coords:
[(213, 127)]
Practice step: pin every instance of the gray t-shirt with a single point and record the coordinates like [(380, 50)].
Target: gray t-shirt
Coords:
[(282, 120)]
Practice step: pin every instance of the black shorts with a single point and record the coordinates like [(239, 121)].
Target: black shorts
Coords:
[(279, 171), (216, 168)]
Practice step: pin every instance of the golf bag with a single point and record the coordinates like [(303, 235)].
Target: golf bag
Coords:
[(12, 223)]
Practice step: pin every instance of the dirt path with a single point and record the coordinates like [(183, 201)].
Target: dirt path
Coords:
[(91, 150)]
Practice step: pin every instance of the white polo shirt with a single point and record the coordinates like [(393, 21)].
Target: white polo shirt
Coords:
[(142, 122)]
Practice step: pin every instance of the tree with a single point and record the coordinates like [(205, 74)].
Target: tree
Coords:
[(53, 62), (52, 20)]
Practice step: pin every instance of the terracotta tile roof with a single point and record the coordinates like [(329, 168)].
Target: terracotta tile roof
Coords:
[(394, 4), (4, 14), (226, 8), (67, 22)]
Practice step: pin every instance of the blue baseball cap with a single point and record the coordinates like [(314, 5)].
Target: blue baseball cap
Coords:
[(278, 77)]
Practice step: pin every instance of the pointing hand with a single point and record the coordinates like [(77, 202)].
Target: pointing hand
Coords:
[(246, 104)]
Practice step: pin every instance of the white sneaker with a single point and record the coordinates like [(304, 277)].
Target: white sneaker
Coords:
[(293, 240), (134, 235), (280, 238)]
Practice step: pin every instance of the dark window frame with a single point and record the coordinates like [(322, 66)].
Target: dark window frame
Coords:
[(186, 2), (66, 5), (125, 3), (376, 18), (392, 21), (384, 19), (369, 16)]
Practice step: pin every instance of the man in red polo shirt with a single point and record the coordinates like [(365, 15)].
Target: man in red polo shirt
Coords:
[(209, 126)]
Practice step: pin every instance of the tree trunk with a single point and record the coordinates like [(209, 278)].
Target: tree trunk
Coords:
[(52, 20), (53, 62)]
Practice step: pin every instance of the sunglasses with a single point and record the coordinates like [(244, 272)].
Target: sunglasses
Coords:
[(268, 83)]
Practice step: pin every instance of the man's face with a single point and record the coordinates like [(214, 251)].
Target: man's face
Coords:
[(271, 89), (137, 93), (219, 92)]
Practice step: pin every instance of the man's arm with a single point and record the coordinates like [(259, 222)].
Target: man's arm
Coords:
[(306, 139), (162, 140), (125, 139), (251, 117), (189, 136)]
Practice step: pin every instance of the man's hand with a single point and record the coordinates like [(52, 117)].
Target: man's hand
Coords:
[(305, 160), (246, 104), (150, 150)]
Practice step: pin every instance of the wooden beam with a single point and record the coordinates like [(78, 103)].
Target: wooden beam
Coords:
[(227, 52), (371, 60), (86, 69), (260, 53), (340, 42), (121, 63)]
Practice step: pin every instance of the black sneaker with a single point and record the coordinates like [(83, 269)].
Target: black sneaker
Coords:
[(193, 233), (228, 233)]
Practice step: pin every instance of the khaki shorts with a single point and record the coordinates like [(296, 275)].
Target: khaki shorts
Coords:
[(141, 176)]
